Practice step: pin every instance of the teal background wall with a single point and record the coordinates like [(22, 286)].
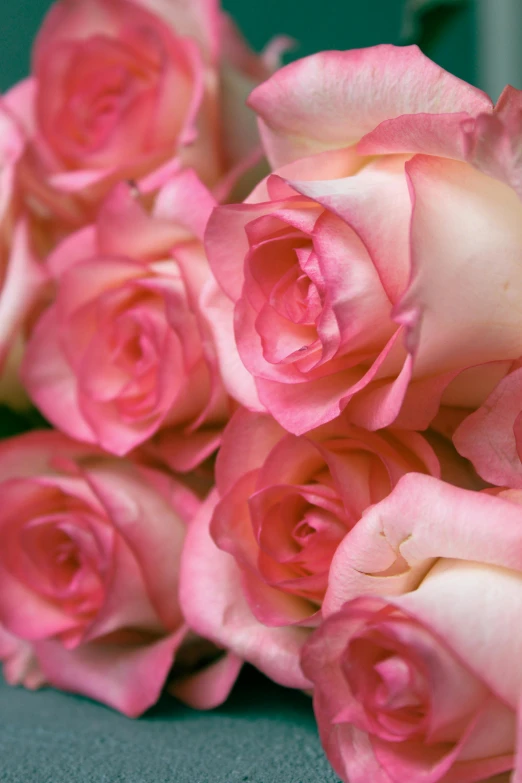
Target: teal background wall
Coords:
[(315, 24)]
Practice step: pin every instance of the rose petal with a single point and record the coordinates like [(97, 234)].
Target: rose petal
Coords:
[(332, 99), (214, 606)]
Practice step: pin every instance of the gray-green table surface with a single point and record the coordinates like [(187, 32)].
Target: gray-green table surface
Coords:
[(263, 734)]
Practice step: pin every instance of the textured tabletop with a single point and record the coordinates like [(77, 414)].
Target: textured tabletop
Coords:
[(264, 734)]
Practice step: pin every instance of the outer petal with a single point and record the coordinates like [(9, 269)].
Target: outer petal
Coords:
[(40, 452), (51, 382), (214, 606), (219, 314), (485, 634), (460, 309), (127, 677), (150, 527), (376, 204), (226, 243), (431, 134), (209, 688), (396, 542), (490, 436), (333, 99), (247, 441), (492, 141), (76, 247)]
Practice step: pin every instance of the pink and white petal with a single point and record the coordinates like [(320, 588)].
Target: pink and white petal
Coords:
[(300, 407), (488, 436), (183, 451), (226, 243), (84, 179), (333, 99), (492, 141), (124, 228), (247, 441), (218, 310), (378, 405), (276, 608), (210, 687), (127, 677), (428, 134), (443, 601), (150, 526), (455, 319), (126, 601), (183, 199), (471, 387), (214, 606), (26, 614), (397, 541), (376, 204), (375, 400), (50, 380), (19, 102), (322, 167), (35, 453), (75, 248), (421, 399)]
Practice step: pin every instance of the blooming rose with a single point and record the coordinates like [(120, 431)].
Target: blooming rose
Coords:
[(123, 351), (262, 547), (417, 666), (89, 571), (118, 88), (359, 276)]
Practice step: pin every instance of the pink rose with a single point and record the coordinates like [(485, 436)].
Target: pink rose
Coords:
[(416, 667), (284, 505), (359, 277), (123, 354), (119, 88), (89, 572)]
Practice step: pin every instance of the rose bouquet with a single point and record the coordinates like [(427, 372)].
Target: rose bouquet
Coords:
[(271, 320)]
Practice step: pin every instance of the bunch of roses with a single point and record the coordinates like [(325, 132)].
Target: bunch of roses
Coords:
[(347, 340)]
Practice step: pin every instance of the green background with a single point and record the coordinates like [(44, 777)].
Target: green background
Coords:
[(314, 24)]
